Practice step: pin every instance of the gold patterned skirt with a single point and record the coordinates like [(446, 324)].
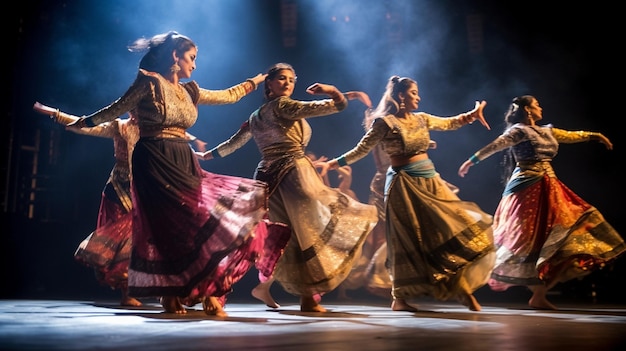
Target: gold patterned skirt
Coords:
[(328, 231), (437, 244)]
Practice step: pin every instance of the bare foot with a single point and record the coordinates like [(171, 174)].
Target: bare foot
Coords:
[(171, 304), (213, 307), (308, 304), (539, 300), (130, 301), (541, 304), (470, 301), (401, 305), (262, 292)]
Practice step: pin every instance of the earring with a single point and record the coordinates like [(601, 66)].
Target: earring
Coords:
[(175, 68), (402, 106)]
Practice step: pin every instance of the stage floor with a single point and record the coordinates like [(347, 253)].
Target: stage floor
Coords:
[(104, 325)]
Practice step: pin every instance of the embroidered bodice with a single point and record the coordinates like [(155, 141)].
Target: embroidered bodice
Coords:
[(532, 143), (279, 129), (158, 103), (402, 136)]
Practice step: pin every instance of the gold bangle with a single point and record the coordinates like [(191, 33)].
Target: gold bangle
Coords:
[(467, 117), (252, 82)]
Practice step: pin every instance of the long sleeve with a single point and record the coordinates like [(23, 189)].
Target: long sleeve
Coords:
[(531, 143), (235, 142), (290, 109), (499, 144), (281, 129), (130, 100), (230, 95), (444, 123), (570, 137), (372, 138), (507, 139), (104, 130)]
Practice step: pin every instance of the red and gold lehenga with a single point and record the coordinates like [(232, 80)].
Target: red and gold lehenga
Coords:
[(543, 231), (107, 248)]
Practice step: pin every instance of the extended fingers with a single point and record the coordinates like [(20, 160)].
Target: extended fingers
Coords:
[(479, 114)]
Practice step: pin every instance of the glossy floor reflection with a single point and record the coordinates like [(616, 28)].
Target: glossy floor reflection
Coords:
[(104, 325)]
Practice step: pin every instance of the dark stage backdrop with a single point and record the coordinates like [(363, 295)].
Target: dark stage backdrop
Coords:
[(72, 55)]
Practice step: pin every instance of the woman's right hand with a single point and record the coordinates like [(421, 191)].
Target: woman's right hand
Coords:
[(604, 140), (204, 156), (323, 167), (259, 78)]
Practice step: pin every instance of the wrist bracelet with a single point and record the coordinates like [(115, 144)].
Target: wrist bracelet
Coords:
[(336, 97), (252, 82), (474, 159), (468, 118), (341, 161), (89, 122)]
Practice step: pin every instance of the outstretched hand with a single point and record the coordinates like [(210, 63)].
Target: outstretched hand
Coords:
[(477, 113), (361, 96), (604, 140), (322, 89), (46, 110)]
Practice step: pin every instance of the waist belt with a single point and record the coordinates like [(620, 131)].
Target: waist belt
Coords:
[(163, 132)]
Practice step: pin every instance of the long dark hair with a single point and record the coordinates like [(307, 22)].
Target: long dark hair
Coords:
[(388, 103), (160, 47), (514, 114)]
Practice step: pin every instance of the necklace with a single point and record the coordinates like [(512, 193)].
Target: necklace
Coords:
[(180, 91)]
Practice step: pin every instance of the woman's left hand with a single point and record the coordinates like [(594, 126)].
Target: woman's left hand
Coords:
[(477, 113), (361, 96), (46, 110)]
